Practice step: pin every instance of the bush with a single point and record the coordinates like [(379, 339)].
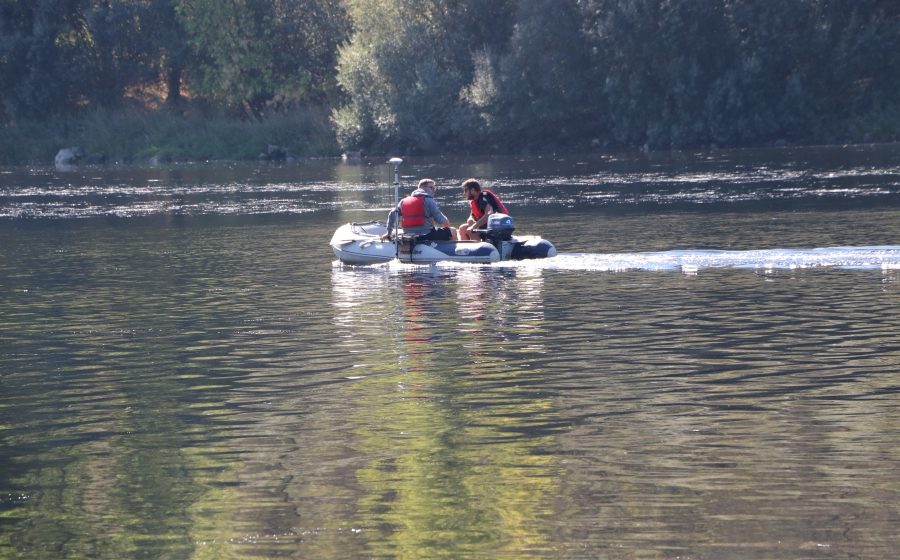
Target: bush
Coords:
[(135, 134)]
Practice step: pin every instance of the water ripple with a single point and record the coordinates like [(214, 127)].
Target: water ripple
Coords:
[(695, 181)]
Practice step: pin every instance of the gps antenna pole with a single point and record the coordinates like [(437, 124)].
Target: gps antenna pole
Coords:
[(395, 161)]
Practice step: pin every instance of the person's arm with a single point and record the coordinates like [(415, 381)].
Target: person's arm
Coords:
[(482, 221), (437, 217), (392, 219)]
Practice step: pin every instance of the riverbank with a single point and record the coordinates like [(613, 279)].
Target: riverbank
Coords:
[(193, 133), (166, 134)]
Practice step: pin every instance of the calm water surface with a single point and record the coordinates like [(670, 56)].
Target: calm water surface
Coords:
[(710, 369)]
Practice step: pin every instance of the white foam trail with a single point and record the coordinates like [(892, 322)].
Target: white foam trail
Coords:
[(690, 261)]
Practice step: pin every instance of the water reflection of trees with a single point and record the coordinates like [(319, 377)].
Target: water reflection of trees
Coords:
[(384, 427), (101, 450), (448, 434)]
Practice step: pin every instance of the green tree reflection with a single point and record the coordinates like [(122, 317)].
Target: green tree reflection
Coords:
[(455, 442)]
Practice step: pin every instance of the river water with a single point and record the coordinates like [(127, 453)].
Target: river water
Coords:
[(708, 370)]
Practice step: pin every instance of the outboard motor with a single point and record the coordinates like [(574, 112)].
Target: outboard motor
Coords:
[(499, 234), (499, 228)]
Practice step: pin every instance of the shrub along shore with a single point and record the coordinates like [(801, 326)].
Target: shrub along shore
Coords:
[(142, 135), (134, 135)]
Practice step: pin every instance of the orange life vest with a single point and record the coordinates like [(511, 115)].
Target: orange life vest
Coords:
[(476, 211), (412, 211)]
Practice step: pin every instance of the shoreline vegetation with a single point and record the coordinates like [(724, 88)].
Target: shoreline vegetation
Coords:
[(165, 134), (141, 135), (187, 80)]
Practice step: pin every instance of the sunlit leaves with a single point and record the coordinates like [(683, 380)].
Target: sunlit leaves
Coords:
[(258, 55)]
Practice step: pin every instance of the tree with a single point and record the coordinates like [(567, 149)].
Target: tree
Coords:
[(121, 47), (171, 52), (57, 56), (42, 47), (662, 57), (257, 54), (547, 82), (407, 68)]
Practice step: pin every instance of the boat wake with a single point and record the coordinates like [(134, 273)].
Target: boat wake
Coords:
[(692, 260)]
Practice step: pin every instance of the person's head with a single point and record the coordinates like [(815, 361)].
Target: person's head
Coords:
[(471, 189), (427, 185)]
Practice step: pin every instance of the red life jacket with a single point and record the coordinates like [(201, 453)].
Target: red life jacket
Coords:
[(412, 211), (476, 211)]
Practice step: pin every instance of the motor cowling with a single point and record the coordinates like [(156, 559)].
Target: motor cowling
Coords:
[(500, 227)]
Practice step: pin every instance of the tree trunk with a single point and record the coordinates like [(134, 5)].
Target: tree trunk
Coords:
[(173, 85)]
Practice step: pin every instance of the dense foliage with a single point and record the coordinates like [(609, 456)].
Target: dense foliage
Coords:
[(57, 56), (624, 73), (495, 75)]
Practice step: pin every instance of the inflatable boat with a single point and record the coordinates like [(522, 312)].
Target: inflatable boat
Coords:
[(364, 243)]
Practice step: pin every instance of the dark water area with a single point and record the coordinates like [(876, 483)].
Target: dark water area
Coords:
[(709, 369)]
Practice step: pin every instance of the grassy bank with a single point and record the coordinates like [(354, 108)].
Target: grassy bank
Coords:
[(189, 134)]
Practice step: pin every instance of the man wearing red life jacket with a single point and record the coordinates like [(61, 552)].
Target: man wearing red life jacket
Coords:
[(482, 204), (419, 215)]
